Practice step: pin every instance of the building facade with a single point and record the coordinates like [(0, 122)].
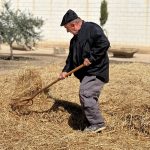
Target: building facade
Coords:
[(128, 22)]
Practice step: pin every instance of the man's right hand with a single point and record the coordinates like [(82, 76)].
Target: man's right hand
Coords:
[(63, 75)]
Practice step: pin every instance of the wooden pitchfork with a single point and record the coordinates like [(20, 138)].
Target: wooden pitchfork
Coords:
[(29, 101)]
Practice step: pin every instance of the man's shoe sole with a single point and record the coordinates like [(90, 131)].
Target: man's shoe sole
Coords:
[(99, 129)]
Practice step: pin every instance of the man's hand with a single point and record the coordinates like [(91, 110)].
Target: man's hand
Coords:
[(63, 75), (86, 62)]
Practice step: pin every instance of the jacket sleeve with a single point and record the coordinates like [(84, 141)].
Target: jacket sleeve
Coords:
[(68, 65), (69, 61), (97, 44)]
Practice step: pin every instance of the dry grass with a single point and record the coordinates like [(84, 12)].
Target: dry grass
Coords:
[(55, 120)]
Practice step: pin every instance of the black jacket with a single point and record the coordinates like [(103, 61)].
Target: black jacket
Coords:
[(91, 43)]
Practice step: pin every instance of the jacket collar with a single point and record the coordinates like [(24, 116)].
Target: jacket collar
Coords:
[(80, 36)]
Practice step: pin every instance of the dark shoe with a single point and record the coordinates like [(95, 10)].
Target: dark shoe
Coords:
[(94, 128)]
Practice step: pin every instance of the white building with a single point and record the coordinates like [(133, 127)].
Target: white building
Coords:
[(128, 22)]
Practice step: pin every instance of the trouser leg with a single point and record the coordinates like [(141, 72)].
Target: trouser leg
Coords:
[(90, 88)]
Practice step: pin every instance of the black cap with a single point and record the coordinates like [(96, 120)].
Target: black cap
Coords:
[(68, 17)]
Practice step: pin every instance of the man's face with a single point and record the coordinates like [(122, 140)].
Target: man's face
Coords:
[(70, 27)]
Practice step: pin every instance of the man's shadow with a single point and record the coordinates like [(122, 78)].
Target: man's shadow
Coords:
[(77, 119)]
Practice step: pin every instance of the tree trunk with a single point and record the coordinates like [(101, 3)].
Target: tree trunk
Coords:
[(11, 52)]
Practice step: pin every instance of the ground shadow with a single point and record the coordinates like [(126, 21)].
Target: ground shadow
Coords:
[(31, 55), (77, 120), (16, 58)]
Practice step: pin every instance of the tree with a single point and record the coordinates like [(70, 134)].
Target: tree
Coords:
[(20, 27), (103, 13)]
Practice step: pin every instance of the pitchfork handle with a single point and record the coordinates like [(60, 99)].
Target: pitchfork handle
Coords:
[(69, 73), (74, 70)]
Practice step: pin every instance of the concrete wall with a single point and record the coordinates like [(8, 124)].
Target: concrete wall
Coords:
[(128, 21), (53, 10), (0, 5)]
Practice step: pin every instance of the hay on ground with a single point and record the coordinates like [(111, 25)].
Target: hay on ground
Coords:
[(56, 121)]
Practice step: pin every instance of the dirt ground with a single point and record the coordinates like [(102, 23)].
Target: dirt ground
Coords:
[(55, 122), (22, 59), (47, 56)]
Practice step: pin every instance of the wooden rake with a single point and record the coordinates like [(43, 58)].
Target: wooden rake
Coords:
[(29, 101)]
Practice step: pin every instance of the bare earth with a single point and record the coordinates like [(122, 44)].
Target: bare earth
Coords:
[(55, 120), (36, 58), (44, 57)]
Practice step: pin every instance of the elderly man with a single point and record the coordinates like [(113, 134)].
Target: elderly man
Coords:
[(88, 46)]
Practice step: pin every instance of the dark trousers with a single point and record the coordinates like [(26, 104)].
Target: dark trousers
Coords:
[(90, 89)]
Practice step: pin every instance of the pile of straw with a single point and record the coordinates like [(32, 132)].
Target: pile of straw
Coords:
[(55, 120), (27, 83)]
